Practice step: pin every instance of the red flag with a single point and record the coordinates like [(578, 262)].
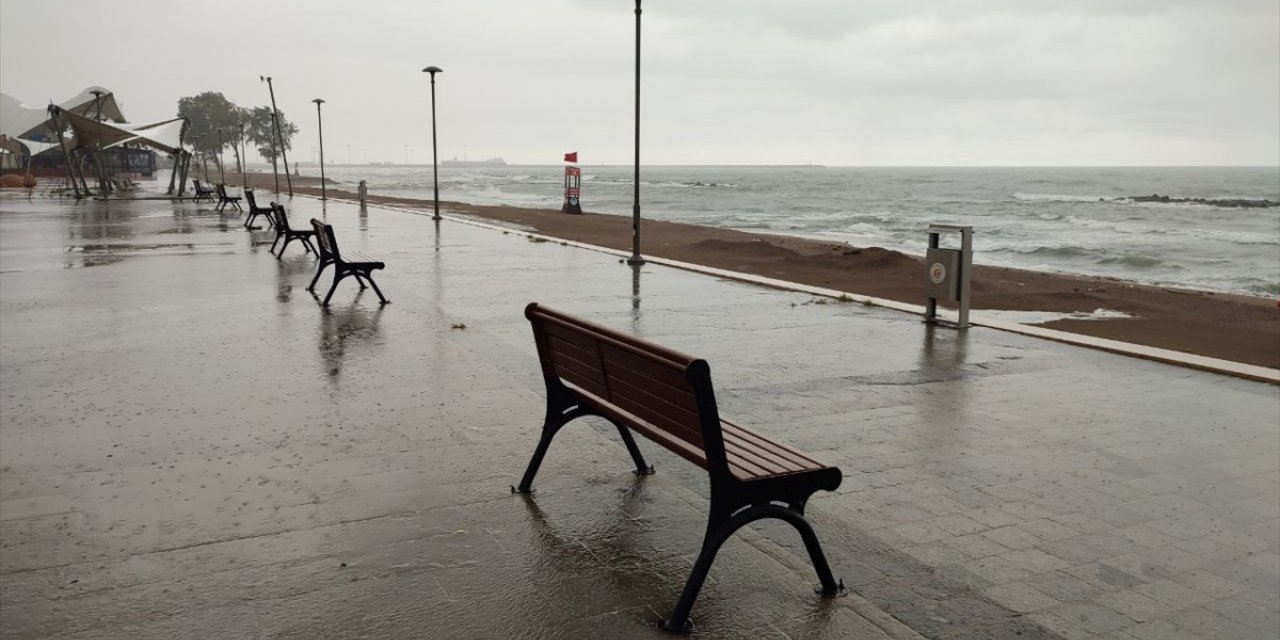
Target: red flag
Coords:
[(571, 157)]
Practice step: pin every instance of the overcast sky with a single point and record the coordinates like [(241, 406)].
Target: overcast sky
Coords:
[(835, 82)]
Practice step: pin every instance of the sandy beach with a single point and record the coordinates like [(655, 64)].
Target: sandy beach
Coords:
[(1239, 328)]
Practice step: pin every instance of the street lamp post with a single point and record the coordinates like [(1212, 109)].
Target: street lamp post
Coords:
[(244, 160), (275, 123), (222, 172), (635, 208), (435, 175), (320, 126)]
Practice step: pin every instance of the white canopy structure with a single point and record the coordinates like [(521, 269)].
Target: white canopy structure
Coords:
[(94, 121), (23, 122), (162, 136)]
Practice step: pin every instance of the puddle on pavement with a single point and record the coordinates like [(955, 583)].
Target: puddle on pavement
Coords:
[(96, 255)]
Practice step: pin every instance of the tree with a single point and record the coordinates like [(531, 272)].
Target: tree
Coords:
[(206, 113), (259, 130)]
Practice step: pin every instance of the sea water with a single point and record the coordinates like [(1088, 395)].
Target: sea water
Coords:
[(1069, 220)]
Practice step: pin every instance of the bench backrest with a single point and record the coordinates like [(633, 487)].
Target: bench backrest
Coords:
[(326, 242), (222, 190), (248, 196), (669, 392), (282, 218)]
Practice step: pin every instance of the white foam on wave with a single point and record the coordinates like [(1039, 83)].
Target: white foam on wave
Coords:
[(1056, 197), (1041, 317)]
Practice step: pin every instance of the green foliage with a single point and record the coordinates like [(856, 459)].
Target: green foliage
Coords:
[(206, 113), (259, 131), (210, 111)]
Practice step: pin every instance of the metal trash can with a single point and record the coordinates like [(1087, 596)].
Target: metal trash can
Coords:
[(363, 192), (947, 274)]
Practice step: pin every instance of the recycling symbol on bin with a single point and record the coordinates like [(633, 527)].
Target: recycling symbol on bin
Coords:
[(937, 273)]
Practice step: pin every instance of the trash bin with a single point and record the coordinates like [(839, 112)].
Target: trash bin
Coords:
[(947, 274)]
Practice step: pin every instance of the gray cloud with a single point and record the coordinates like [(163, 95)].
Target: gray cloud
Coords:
[(827, 81)]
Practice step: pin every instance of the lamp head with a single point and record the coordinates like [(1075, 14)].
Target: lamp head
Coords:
[(433, 71), (318, 101)]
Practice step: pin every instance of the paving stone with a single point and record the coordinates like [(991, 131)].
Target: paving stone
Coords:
[(1020, 597), (1134, 605), (1012, 537)]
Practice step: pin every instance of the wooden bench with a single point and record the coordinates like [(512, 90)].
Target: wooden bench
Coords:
[(283, 230), (202, 193), (255, 211), (666, 396), (224, 199), (344, 264)]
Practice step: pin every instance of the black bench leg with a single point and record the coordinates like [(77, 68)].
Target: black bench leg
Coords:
[(718, 532), (337, 277), (381, 298), (312, 287), (549, 431), (642, 468)]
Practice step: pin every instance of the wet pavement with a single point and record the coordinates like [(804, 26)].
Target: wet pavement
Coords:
[(191, 446)]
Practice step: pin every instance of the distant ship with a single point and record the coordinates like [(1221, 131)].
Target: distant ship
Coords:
[(491, 162)]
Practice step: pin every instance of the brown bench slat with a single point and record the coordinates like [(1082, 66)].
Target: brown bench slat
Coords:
[(777, 448), (646, 350), (769, 464), (620, 358), (660, 420), (679, 446), (580, 375)]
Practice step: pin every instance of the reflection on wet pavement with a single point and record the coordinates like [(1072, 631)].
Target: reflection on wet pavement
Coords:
[(190, 446)]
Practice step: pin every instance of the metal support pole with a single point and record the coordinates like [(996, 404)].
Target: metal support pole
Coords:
[(186, 167), (84, 184), (435, 171), (284, 156), (244, 160), (635, 208), (320, 126), (222, 172), (173, 175), (177, 158), (66, 155), (275, 128)]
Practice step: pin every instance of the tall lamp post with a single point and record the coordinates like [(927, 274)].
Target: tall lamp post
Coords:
[(222, 172), (244, 160), (275, 123), (320, 126), (635, 208), (435, 175)]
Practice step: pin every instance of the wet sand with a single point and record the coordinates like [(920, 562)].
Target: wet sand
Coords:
[(1231, 327)]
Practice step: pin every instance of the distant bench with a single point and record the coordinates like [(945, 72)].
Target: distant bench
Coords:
[(224, 199), (202, 193), (255, 211), (288, 233), (344, 264), (667, 397)]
